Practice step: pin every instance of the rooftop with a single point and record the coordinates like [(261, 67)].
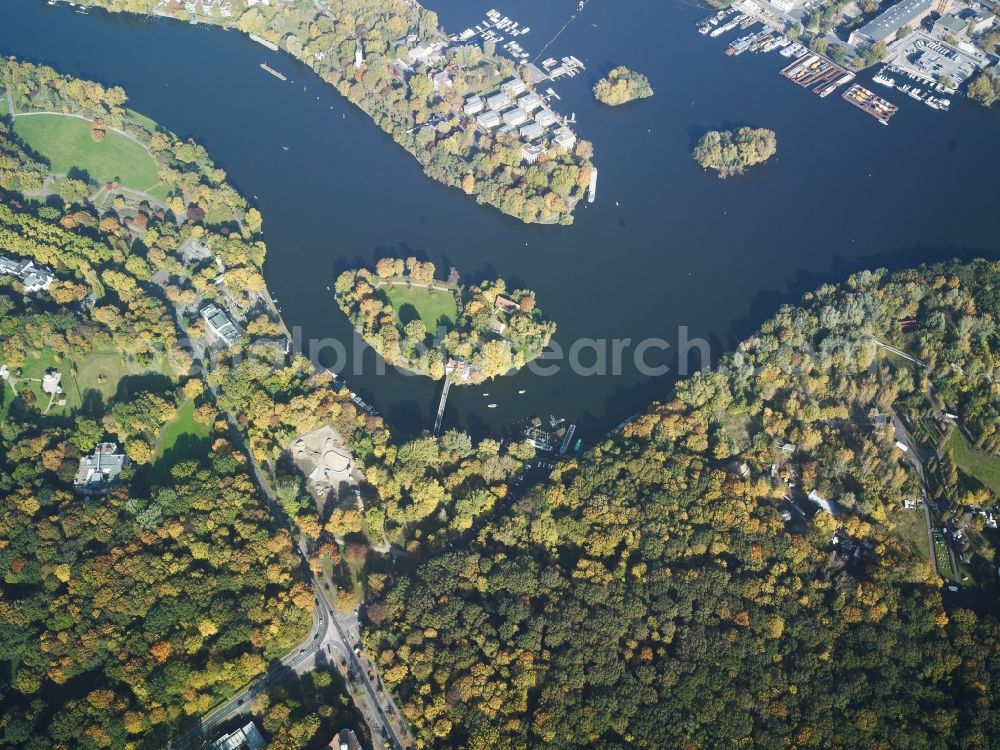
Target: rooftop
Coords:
[(220, 324), (894, 18), (247, 737), (99, 472)]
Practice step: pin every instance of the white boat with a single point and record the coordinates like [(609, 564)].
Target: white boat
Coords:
[(491, 406)]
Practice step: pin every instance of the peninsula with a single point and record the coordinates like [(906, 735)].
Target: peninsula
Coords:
[(621, 86), (434, 327), (731, 152), (471, 117)]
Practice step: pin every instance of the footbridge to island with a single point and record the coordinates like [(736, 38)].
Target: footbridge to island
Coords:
[(441, 404)]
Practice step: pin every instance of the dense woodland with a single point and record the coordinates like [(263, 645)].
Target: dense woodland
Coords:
[(651, 594), (731, 152), (622, 85), (492, 339), (124, 616), (404, 103)]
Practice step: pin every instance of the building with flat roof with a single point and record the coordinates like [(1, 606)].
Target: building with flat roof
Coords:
[(498, 101), (531, 131), (488, 120), (532, 153), (515, 117), (247, 737), (514, 87), (545, 117), (950, 25), (565, 138), (474, 105), (220, 324), (529, 102), (884, 26), (100, 472)]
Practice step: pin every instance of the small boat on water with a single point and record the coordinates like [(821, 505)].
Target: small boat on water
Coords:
[(522, 391), (491, 406)]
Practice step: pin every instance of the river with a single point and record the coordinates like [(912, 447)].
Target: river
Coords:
[(665, 246)]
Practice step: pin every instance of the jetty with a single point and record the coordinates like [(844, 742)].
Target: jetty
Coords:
[(592, 190), (867, 101), (441, 404), (268, 69)]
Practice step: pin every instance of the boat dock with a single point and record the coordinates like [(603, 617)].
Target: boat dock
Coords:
[(867, 101), (268, 69), (441, 404), (813, 71), (592, 190)]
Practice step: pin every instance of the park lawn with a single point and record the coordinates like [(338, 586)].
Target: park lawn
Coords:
[(3, 104), (182, 424), (431, 306), (66, 143), (912, 529), (975, 463), (35, 366)]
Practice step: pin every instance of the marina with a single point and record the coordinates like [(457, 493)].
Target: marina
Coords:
[(867, 101), (817, 73), (896, 78)]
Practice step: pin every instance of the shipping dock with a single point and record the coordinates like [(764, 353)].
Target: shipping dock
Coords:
[(867, 101), (817, 73), (268, 69)]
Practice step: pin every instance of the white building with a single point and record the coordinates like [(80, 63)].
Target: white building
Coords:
[(565, 138), (33, 278), (498, 101), (474, 105), (514, 87), (531, 131), (515, 117), (545, 117), (488, 120), (220, 324), (529, 102)]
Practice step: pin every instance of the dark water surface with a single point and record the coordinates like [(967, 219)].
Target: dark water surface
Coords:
[(664, 246)]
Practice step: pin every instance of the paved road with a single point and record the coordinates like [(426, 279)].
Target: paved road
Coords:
[(320, 646), (379, 709)]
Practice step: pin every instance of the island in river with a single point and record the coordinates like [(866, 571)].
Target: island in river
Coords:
[(469, 116), (434, 327), (731, 152), (621, 86)]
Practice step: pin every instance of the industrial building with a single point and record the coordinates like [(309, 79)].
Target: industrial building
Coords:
[(883, 27)]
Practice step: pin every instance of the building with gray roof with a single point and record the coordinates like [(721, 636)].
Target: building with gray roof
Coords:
[(100, 472), (220, 324), (884, 26)]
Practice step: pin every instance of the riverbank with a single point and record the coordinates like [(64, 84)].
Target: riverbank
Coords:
[(417, 88)]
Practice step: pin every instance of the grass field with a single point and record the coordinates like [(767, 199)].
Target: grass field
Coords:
[(66, 143), (912, 527), (979, 465), (33, 370), (146, 122), (430, 306), (183, 424)]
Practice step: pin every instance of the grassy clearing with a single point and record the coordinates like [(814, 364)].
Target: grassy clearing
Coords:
[(432, 307), (66, 143), (31, 375), (184, 424), (912, 528), (3, 105), (981, 466)]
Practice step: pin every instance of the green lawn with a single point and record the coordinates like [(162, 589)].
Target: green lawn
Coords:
[(912, 528), (66, 143), (981, 466), (3, 104), (183, 424), (429, 305), (32, 371)]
